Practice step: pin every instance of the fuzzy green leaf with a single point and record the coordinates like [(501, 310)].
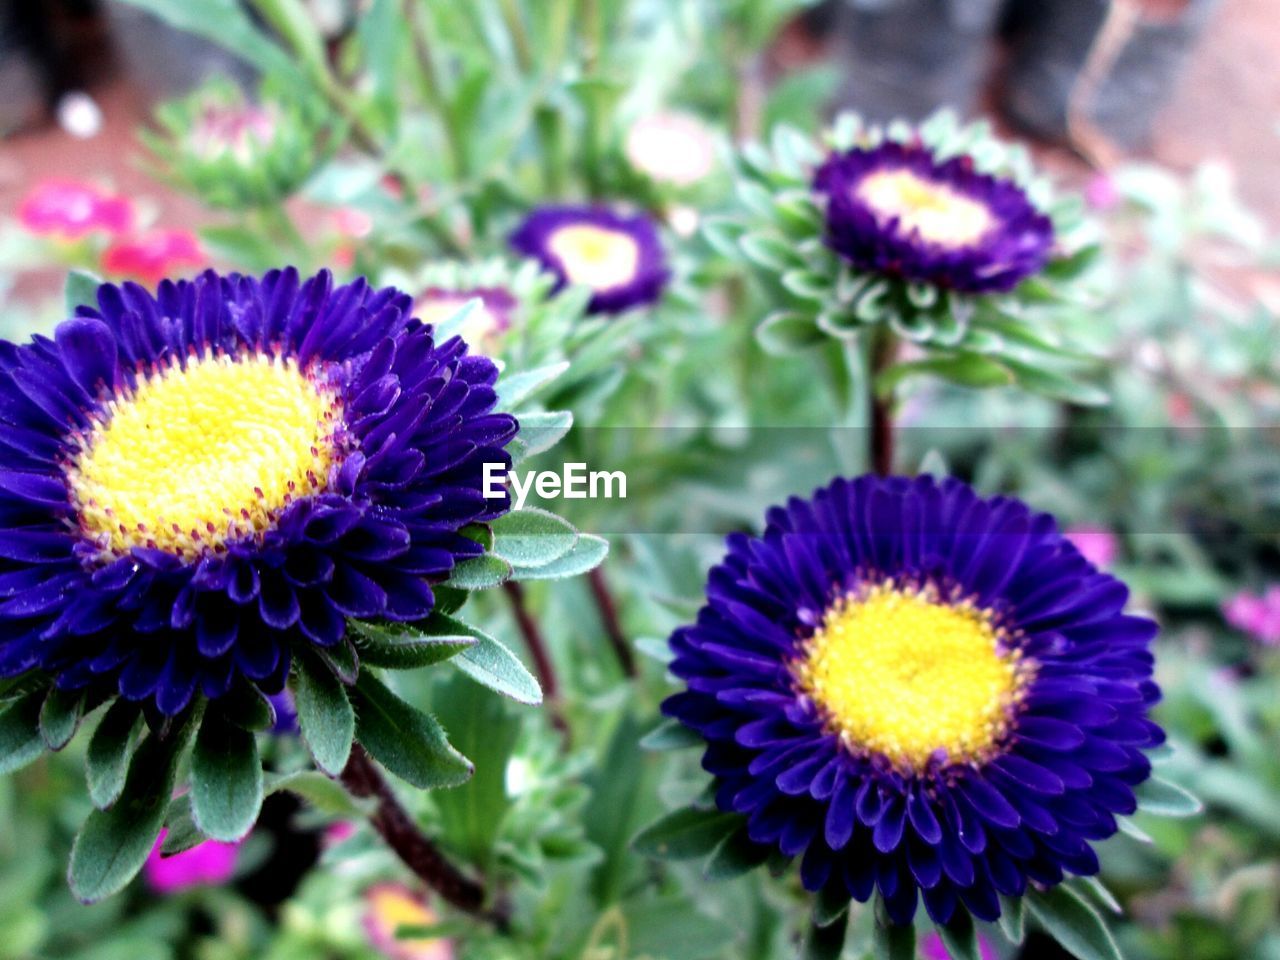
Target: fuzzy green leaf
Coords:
[(325, 717), (409, 743), (113, 844), (541, 431), (403, 647), (226, 780), (734, 856), (110, 749), (480, 573), (1013, 913), (20, 740), (80, 290), (60, 716), (685, 834), (1164, 799), (1073, 923), (587, 554), (892, 941), (788, 331), (826, 942), (670, 735), (966, 369), (532, 537), (959, 937), (515, 389), (830, 904), (488, 661), (1055, 385), (321, 792)]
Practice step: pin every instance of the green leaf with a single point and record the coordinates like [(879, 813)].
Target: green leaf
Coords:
[(226, 780), (324, 794), (1164, 799), (341, 659), (772, 253), (409, 743), (671, 735), (685, 834), (181, 832), (519, 387), (966, 369), (20, 740), (788, 331), (892, 941), (541, 431), (110, 749), (673, 928), (247, 707), (532, 537), (325, 717), (59, 716), (1073, 923), (807, 284), (959, 937), (1013, 912), (80, 290), (826, 942), (830, 904), (113, 844), (488, 661), (1049, 383), (480, 573), (587, 554), (403, 647), (734, 856)]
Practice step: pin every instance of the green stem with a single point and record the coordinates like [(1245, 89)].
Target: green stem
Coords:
[(519, 35)]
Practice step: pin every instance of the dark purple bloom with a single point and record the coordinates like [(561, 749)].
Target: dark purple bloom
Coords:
[(198, 482), (898, 210), (618, 257), (920, 692)]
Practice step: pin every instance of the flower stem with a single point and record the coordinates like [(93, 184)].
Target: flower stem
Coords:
[(883, 350), (363, 779), (542, 662), (608, 608)]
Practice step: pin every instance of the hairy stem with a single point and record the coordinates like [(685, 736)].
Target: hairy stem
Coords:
[(543, 665), (364, 780), (608, 608)]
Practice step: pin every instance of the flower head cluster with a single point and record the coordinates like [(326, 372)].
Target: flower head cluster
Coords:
[(919, 692), (618, 258), (197, 481), (900, 210)]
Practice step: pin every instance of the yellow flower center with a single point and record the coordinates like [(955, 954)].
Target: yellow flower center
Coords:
[(202, 453), (898, 671), (595, 257), (935, 211)]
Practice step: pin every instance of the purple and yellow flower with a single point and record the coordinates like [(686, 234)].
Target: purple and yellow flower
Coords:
[(619, 258), (390, 908), (207, 864), (919, 691), (484, 326), (900, 211), (196, 482)]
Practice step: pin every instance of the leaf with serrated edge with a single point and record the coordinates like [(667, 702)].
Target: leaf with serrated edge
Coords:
[(489, 662), (409, 743), (400, 646)]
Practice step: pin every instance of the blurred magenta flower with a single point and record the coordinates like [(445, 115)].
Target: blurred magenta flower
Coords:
[(1098, 545), (1257, 614), (1101, 193), (205, 865), (337, 833), (153, 256), (674, 148), (932, 948), (391, 906), (73, 209)]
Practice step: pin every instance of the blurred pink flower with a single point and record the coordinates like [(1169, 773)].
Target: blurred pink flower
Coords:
[(153, 256), (1101, 193), (352, 222), (932, 948), (1256, 614), (390, 906), (675, 148), (1096, 544), (207, 864), (73, 209), (336, 833)]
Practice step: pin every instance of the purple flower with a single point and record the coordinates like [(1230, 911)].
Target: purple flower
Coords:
[(198, 483), (919, 692), (619, 258), (204, 865), (900, 211)]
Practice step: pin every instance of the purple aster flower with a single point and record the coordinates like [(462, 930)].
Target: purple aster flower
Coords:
[(619, 258), (920, 692), (900, 211), (197, 482)]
